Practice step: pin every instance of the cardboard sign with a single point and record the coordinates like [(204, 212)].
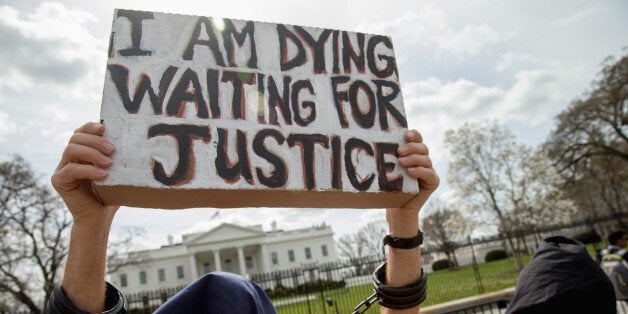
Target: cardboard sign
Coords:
[(209, 112)]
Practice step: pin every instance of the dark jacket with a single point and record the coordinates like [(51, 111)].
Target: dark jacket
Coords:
[(562, 278)]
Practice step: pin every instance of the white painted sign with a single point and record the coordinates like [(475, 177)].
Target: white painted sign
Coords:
[(209, 112)]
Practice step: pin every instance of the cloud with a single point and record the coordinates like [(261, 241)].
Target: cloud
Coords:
[(575, 17), (429, 29), (511, 60), (463, 100), (469, 41), (434, 106), (6, 125), (531, 99), (49, 46)]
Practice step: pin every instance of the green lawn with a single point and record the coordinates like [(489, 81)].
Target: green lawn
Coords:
[(443, 286)]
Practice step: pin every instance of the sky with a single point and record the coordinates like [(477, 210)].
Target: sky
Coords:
[(520, 62)]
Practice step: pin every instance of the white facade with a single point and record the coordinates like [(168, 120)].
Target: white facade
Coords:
[(230, 248)]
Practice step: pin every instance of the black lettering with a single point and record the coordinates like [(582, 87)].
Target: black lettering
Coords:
[(136, 18), (214, 93), (366, 120), (211, 43), (120, 77), (385, 106), (275, 100), (336, 52), (339, 97), (261, 119), (336, 166), (299, 59), (238, 102), (316, 46), (349, 53), (360, 184), (184, 136), (391, 65), (228, 170), (306, 142), (279, 176), (180, 96), (230, 33), (296, 88), (384, 168)]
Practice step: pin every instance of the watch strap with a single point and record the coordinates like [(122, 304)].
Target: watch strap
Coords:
[(403, 243)]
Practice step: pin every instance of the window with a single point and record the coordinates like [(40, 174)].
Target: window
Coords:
[(180, 273), (274, 258), (324, 249), (249, 262), (308, 253), (228, 266), (142, 277), (123, 282), (291, 255), (206, 268), (161, 273)]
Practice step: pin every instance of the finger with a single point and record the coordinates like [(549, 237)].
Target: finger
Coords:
[(427, 177), (413, 136), (70, 176), (89, 134), (93, 141), (91, 128), (415, 160), (76, 153), (413, 148)]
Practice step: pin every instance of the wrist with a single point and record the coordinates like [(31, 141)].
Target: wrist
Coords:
[(100, 217), (402, 223), (92, 228), (84, 276)]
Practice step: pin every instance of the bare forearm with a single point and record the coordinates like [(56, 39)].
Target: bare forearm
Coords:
[(84, 276), (404, 265)]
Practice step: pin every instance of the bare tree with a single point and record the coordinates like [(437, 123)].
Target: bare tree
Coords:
[(366, 242), (596, 125), (477, 169), (443, 226), (601, 189), (491, 171), (123, 249), (590, 143), (372, 235), (34, 228), (352, 248), (609, 177)]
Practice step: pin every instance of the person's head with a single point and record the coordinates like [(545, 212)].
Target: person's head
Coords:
[(562, 278), (618, 238)]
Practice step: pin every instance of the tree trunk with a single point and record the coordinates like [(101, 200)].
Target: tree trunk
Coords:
[(515, 253), (455, 259)]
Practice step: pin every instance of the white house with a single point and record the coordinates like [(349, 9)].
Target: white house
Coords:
[(230, 248)]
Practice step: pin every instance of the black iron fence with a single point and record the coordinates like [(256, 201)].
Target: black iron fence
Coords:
[(148, 301), (339, 286)]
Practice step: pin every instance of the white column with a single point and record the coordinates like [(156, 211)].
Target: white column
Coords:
[(264, 258), (217, 260), (193, 270), (241, 261)]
